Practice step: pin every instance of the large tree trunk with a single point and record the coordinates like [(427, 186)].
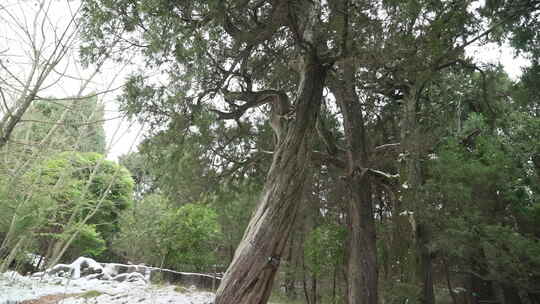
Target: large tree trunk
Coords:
[(411, 178), (250, 276), (362, 276), (361, 269)]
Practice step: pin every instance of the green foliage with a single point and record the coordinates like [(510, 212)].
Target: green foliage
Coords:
[(141, 172), (85, 177), (484, 197), (234, 203), (156, 233), (90, 294), (180, 165), (190, 235), (71, 193), (323, 248), (75, 125), (140, 230), (88, 243)]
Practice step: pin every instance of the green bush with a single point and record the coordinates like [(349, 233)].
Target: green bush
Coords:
[(157, 234)]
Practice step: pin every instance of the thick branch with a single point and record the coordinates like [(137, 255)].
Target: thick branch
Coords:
[(251, 100), (9, 124)]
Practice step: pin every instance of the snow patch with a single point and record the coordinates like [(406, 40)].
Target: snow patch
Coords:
[(115, 284)]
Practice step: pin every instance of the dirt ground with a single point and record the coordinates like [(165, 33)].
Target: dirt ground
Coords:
[(50, 299)]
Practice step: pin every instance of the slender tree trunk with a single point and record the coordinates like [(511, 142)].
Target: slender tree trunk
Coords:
[(314, 289), (304, 281), (11, 257), (362, 273), (250, 276), (425, 265), (334, 282)]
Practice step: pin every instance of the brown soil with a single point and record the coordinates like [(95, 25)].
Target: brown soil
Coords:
[(50, 299)]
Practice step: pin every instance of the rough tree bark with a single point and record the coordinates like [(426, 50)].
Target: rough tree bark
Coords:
[(250, 276), (361, 267), (411, 178)]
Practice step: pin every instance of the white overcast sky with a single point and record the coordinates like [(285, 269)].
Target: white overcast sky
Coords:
[(123, 135), (18, 32)]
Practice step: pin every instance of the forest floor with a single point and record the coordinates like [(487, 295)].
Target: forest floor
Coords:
[(17, 289)]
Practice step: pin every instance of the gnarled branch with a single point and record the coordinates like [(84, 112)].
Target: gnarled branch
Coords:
[(251, 100)]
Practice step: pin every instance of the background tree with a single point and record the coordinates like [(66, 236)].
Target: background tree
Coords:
[(184, 237), (23, 79), (77, 197), (78, 124)]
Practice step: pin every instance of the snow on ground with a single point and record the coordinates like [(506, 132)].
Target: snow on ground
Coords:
[(15, 288)]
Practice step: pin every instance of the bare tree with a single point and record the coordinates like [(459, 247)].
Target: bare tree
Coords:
[(36, 47), (39, 59)]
